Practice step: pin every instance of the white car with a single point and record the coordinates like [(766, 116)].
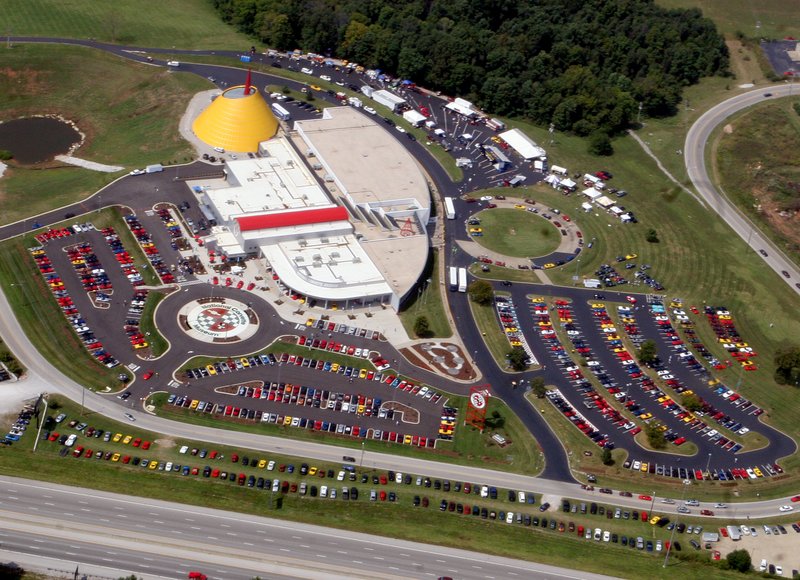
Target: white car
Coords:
[(184, 449), (370, 110), (485, 491), (783, 508), (70, 440), (173, 63), (399, 128), (510, 517), (323, 491), (137, 172), (271, 465), (325, 78), (606, 536), (743, 431), (487, 198)]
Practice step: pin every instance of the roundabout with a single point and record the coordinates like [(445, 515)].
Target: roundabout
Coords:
[(514, 232), (218, 321)]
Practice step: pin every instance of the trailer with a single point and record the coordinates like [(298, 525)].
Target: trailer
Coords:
[(495, 124), (449, 208), (155, 168), (734, 533), (453, 278), (462, 279), (280, 112)]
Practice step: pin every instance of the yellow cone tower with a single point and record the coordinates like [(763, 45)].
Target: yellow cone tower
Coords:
[(237, 120)]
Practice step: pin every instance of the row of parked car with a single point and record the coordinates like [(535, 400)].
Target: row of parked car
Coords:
[(721, 321), (149, 248), (68, 308), (301, 395), (88, 268), (235, 412), (332, 346), (328, 326), (509, 321), (122, 256), (18, 427)]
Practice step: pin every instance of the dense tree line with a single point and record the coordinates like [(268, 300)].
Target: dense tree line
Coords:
[(582, 65)]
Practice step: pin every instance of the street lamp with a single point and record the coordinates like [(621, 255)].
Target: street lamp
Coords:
[(686, 484), (708, 463)]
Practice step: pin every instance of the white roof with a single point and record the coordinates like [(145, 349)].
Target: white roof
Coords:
[(604, 201), (558, 169), (279, 181), (386, 96), (567, 182), (615, 209), (329, 267), (461, 107), (414, 117), (592, 178), (552, 179), (591, 193), (586, 205), (522, 144)]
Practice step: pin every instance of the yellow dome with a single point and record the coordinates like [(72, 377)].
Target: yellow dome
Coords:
[(236, 121)]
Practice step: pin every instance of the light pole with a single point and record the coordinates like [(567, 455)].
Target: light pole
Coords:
[(361, 464), (708, 463), (41, 424), (686, 484)]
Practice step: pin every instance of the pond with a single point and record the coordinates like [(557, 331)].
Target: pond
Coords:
[(37, 139)]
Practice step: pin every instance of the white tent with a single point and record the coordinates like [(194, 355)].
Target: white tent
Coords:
[(586, 206), (615, 210), (559, 170), (591, 193), (462, 107), (538, 165), (626, 217), (569, 184), (414, 117), (523, 145), (552, 180), (604, 202)]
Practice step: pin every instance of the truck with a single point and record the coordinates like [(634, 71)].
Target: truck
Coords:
[(280, 112), (462, 279), (449, 208), (453, 278), (495, 124), (156, 168), (734, 533)]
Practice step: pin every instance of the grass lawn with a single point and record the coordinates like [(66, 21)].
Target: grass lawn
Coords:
[(521, 234), (129, 113), (180, 23), (756, 164), (158, 344), (761, 19), (429, 303), (418, 524), (496, 340)]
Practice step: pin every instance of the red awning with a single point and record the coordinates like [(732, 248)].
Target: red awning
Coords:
[(292, 218)]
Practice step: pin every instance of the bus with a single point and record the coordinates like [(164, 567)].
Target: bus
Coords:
[(462, 279), (453, 279), (449, 208), (280, 112)]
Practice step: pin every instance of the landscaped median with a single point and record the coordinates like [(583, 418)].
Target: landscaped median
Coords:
[(120, 465)]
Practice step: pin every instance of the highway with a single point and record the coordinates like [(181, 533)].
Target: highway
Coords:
[(153, 539), (694, 154)]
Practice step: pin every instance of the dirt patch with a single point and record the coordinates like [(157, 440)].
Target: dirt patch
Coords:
[(728, 128), (445, 358), (409, 414), (165, 443)]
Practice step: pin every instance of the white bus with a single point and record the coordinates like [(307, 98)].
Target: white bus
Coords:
[(449, 208), (462, 279), (453, 278), (280, 112)]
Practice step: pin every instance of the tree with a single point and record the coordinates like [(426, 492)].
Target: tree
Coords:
[(600, 144), (517, 358), (651, 236), (606, 457), (495, 420), (481, 292), (648, 353), (655, 436), (787, 363), (422, 327), (538, 387), (691, 402), (5, 155), (739, 560)]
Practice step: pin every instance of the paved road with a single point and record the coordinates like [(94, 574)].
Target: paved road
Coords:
[(156, 538), (694, 153)]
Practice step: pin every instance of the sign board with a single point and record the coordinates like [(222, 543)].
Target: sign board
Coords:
[(476, 409)]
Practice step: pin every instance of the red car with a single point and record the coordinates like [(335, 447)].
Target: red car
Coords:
[(148, 375), (251, 285), (215, 280), (631, 299), (240, 284), (228, 281), (796, 498)]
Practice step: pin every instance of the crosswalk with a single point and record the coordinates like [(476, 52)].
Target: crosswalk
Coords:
[(133, 367)]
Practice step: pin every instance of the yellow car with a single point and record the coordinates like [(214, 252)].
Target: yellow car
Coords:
[(757, 471), (515, 342), (645, 416), (510, 329), (287, 420), (115, 457), (117, 437), (496, 139), (140, 345), (598, 305), (407, 440), (519, 206), (334, 367), (549, 265), (127, 439), (361, 409), (153, 464), (644, 466), (245, 362), (537, 299), (315, 87), (475, 230), (262, 464), (654, 520), (631, 256), (310, 322), (211, 370), (312, 471), (194, 404)]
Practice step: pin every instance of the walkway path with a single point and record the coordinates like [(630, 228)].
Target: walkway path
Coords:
[(93, 165)]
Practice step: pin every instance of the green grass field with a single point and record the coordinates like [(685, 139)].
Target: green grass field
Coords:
[(430, 304), (418, 524), (512, 232), (129, 113), (764, 18), (158, 344), (183, 24)]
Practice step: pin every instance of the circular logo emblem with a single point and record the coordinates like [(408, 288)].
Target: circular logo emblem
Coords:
[(218, 320), (478, 400)]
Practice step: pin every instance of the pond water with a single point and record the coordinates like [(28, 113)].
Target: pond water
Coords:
[(36, 139)]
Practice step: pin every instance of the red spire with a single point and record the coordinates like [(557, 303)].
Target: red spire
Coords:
[(247, 83)]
